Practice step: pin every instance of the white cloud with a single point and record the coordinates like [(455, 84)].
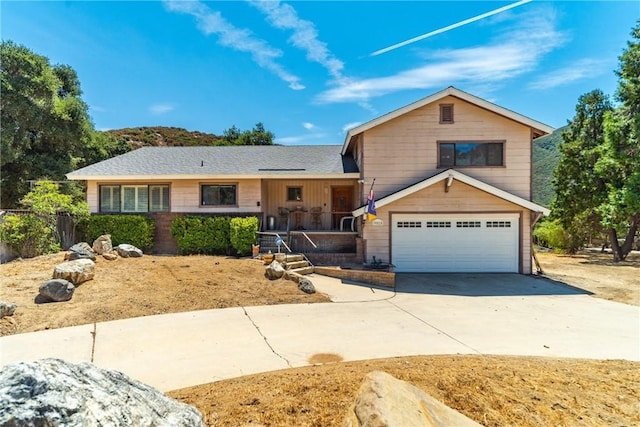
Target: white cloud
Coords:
[(579, 70), (212, 22), (161, 108), (346, 127), (308, 125), (304, 37), (515, 52)]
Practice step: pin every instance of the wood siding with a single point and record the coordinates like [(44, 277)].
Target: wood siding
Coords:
[(404, 150), (461, 198)]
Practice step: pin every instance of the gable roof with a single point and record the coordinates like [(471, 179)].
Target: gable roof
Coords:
[(304, 161), (454, 174), (538, 128)]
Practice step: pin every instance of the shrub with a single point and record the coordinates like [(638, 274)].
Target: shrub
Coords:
[(29, 235), (202, 235), (136, 230), (550, 233), (243, 234), (36, 233)]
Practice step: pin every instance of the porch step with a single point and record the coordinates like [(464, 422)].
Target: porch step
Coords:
[(291, 258)]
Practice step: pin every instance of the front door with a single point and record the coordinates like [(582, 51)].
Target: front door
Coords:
[(341, 204)]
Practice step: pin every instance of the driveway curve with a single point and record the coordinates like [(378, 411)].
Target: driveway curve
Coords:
[(504, 314)]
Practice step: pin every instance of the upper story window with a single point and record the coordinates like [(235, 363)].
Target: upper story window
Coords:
[(446, 113), (134, 198), (470, 154), (218, 195), (294, 194)]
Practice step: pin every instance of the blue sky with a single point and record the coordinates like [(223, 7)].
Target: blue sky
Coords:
[(306, 69)]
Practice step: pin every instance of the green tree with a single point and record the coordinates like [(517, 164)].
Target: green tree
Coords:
[(256, 136), (597, 180), (578, 190), (44, 121), (620, 161)]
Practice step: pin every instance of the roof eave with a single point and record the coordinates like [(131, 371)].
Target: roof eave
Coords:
[(462, 178), (140, 178)]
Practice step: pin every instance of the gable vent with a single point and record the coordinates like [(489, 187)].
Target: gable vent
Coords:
[(446, 113)]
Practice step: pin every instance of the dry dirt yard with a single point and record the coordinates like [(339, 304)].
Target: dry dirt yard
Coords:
[(495, 391), (597, 273)]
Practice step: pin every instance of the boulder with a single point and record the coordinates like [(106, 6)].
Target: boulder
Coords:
[(56, 290), (126, 251), (274, 271), (52, 392), (7, 309), (109, 256), (102, 244), (77, 271), (306, 286), (386, 401), (81, 251)]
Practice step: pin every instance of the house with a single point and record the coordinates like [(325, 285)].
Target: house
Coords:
[(451, 175)]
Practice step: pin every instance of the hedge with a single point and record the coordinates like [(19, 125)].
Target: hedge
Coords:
[(214, 235), (243, 234), (136, 230)]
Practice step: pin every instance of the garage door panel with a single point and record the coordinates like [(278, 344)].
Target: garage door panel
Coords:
[(457, 243)]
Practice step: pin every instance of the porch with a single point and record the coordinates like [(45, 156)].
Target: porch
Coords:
[(320, 247)]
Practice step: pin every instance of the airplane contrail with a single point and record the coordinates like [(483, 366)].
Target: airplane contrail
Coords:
[(450, 27)]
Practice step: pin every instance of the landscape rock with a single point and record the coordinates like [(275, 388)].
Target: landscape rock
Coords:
[(109, 256), (77, 271), (102, 245), (126, 251), (52, 392), (274, 271), (81, 251), (386, 401), (306, 286), (7, 309), (56, 290)]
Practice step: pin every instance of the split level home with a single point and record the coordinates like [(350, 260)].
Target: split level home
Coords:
[(451, 176)]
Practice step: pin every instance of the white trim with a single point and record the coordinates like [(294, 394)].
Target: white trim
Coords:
[(437, 96), (120, 178), (451, 173)]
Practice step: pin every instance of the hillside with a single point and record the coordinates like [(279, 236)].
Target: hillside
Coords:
[(159, 136), (545, 158)]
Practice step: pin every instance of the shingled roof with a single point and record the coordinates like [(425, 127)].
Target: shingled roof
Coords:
[(236, 161)]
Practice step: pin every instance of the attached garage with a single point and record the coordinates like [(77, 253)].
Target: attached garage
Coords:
[(455, 242)]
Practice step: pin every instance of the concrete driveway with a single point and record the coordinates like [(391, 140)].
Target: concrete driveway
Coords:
[(426, 314)]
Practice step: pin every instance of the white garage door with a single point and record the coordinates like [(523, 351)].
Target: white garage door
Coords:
[(455, 243)]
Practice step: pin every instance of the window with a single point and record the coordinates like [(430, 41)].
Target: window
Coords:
[(409, 224), (294, 194), (438, 224), (468, 224), (159, 198), (110, 198), (470, 154), (134, 198), (446, 113), (218, 195), (498, 224)]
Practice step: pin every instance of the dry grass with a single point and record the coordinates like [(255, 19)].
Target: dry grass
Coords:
[(492, 390), (132, 287)]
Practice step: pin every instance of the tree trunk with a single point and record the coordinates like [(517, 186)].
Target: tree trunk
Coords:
[(621, 252), (615, 247)]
